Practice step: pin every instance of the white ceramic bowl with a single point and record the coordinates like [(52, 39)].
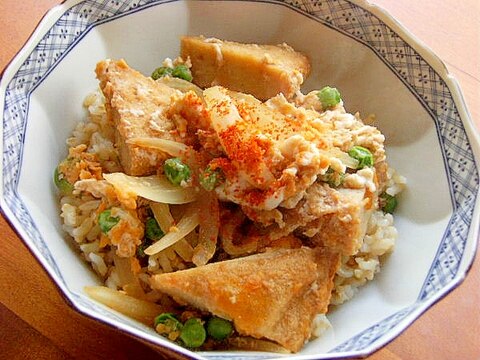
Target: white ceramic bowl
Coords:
[(378, 66)]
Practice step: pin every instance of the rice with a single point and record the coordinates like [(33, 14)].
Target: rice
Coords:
[(98, 263), (320, 325), (355, 271), (79, 210)]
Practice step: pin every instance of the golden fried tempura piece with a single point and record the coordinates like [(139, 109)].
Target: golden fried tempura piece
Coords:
[(260, 70), (136, 105), (273, 295)]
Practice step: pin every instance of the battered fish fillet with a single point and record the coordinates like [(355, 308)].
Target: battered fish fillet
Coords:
[(260, 70), (136, 104), (273, 295)]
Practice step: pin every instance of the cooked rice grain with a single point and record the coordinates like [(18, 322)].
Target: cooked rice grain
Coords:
[(356, 270)]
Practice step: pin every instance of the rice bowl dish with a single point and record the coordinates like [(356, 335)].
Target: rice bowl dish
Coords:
[(427, 121), (168, 184)]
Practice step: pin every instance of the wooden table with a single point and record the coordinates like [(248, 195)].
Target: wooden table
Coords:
[(35, 322)]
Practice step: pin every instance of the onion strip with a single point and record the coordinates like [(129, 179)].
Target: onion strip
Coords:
[(165, 220), (124, 270), (161, 213), (173, 148), (155, 188), (209, 211), (346, 159), (180, 84), (141, 310), (184, 249), (164, 262), (187, 224)]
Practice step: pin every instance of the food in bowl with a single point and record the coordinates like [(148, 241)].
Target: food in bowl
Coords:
[(219, 204)]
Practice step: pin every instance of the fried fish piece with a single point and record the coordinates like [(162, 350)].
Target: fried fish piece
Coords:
[(273, 295), (260, 70), (136, 104)]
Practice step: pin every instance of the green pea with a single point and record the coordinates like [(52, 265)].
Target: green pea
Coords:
[(169, 320), (161, 72), (389, 203), (219, 328), (332, 178), (329, 97), (106, 221), (61, 183), (176, 171), (141, 249), (182, 72), (152, 229), (193, 333), (363, 155), (210, 178)]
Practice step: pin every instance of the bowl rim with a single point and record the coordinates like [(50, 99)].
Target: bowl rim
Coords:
[(417, 308)]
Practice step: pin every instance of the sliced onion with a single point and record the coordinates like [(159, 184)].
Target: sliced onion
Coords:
[(161, 213), (184, 249), (230, 231), (124, 270), (180, 84), (208, 209), (164, 262), (173, 148), (165, 220), (141, 310), (126, 277), (187, 224), (346, 159), (135, 290), (155, 188)]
